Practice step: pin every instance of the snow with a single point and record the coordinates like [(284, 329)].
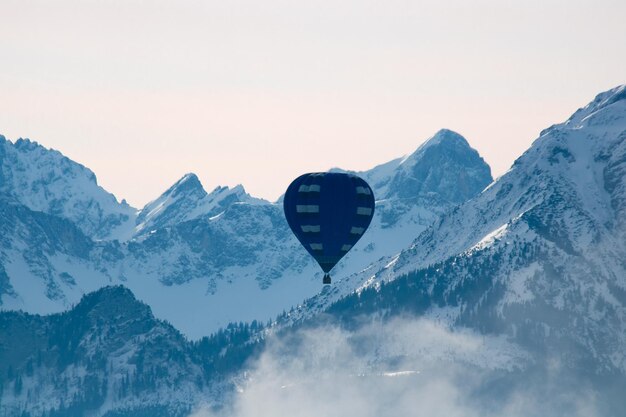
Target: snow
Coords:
[(399, 373), (490, 238), (196, 312), (45, 180), (518, 290)]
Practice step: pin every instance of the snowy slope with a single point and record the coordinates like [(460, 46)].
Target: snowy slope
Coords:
[(202, 260)]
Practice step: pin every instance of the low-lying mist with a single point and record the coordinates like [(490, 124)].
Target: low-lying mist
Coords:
[(406, 367)]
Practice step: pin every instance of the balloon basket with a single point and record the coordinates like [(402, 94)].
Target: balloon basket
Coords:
[(326, 280)]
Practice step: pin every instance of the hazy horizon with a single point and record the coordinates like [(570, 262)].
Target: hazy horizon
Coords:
[(256, 94)]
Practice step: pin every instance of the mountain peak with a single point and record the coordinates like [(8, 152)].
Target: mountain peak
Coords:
[(608, 97), (445, 137), (239, 188), (227, 195), (444, 167), (189, 183), (187, 200), (241, 193), (171, 206), (115, 303), (226, 189), (106, 294), (189, 176), (600, 102), (25, 144)]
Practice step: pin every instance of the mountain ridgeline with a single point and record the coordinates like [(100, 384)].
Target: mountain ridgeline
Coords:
[(190, 251), (526, 274)]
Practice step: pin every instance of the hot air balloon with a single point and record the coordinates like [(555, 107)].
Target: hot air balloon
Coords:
[(328, 212)]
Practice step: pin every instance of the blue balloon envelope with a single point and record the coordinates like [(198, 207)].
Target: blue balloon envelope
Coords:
[(328, 213)]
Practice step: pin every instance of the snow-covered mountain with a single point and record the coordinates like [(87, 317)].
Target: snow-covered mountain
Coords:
[(413, 192), (45, 180), (539, 255), (202, 260), (444, 168), (520, 287)]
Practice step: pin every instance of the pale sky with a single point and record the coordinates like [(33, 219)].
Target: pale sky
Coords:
[(258, 92)]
